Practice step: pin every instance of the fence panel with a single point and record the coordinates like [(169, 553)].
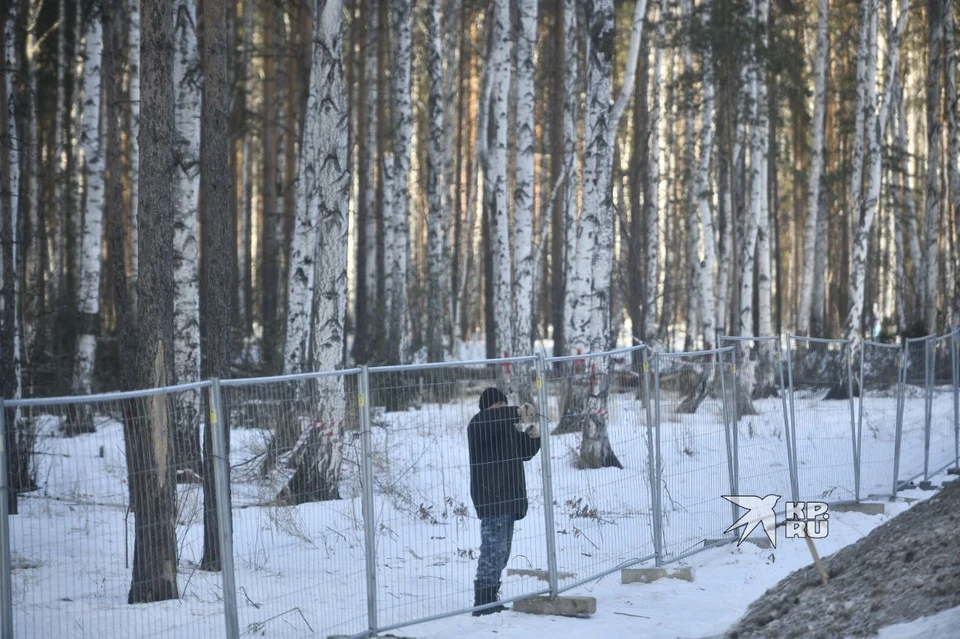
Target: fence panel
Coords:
[(602, 507), (76, 534), (427, 531), (299, 542), (764, 445), (822, 418), (881, 367), (694, 393), (943, 403), (915, 413)]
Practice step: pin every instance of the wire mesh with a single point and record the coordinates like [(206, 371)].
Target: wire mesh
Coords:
[(881, 366), (943, 404), (822, 418), (693, 397), (299, 538), (79, 537), (763, 435), (600, 464), (915, 412), (428, 534)]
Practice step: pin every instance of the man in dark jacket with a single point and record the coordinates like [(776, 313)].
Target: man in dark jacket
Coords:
[(500, 438)]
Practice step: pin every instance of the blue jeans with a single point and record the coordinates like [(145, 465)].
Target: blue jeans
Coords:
[(496, 537)]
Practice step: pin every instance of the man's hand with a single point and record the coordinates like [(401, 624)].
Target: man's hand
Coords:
[(528, 420)]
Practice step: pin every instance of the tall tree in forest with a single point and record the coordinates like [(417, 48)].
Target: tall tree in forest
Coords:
[(876, 117), (397, 259), (148, 440), (702, 186), (496, 175), (133, 69), (816, 165), (931, 208), (524, 265), (436, 202), (651, 203), (186, 310), (953, 144), (318, 458), (88, 297), (270, 217), (215, 268), (59, 159)]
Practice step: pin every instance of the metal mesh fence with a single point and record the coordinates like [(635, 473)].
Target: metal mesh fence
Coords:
[(822, 418), (914, 421), (600, 461), (428, 535), (76, 536), (296, 493), (697, 448), (880, 402), (942, 356), (764, 444)]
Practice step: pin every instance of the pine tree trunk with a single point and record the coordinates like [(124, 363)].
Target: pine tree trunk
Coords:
[(436, 202), (317, 474), (88, 298), (59, 161), (524, 266), (147, 430), (931, 212), (133, 68), (186, 276), (269, 244), (953, 144), (816, 165), (398, 266)]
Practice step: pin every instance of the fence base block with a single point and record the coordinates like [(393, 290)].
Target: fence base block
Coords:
[(926, 485), (372, 637), (867, 508), (953, 471), (649, 575), (542, 575), (759, 542), (560, 606)]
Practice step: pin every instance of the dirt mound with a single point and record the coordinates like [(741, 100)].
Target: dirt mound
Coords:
[(907, 568)]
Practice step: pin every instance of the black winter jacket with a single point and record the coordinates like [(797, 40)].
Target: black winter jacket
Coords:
[(497, 452)]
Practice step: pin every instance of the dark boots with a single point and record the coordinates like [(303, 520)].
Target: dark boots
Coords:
[(484, 595)]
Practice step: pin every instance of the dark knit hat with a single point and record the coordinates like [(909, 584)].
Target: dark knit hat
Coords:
[(491, 396)]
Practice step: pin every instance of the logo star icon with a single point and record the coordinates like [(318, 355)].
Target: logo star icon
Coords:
[(760, 511)]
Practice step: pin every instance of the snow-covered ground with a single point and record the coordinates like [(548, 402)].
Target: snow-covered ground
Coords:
[(300, 570)]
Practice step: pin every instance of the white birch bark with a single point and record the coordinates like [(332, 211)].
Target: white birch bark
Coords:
[(702, 189), (748, 241), (524, 266), (369, 193), (332, 191), (691, 209), (816, 165), (436, 202), (12, 204), (497, 176), (88, 297), (652, 199), (761, 187), (878, 116), (571, 189), (862, 108), (186, 307), (32, 146), (931, 208), (133, 67)]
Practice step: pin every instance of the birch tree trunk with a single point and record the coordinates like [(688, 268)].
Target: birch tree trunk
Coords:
[(186, 310), (436, 202), (318, 454), (760, 152), (702, 189), (652, 200), (748, 242), (398, 265), (148, 430), (816, 165), (133, 68), (691, 199), (497, 177), (59, 162), (366, 282), (931, 212), (33, 249), (571, 188), (524, 266), (88, 298)]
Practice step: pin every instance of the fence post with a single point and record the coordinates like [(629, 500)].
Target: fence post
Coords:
[(901, 389), (221, 479), (369, 525), (550, 529), (733, 450), (656, 467), (854, 436), (6, 588), (927, 406), (791, 453), (794, 470)]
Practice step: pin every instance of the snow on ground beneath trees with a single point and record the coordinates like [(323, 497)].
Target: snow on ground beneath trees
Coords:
[(300, 570)]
